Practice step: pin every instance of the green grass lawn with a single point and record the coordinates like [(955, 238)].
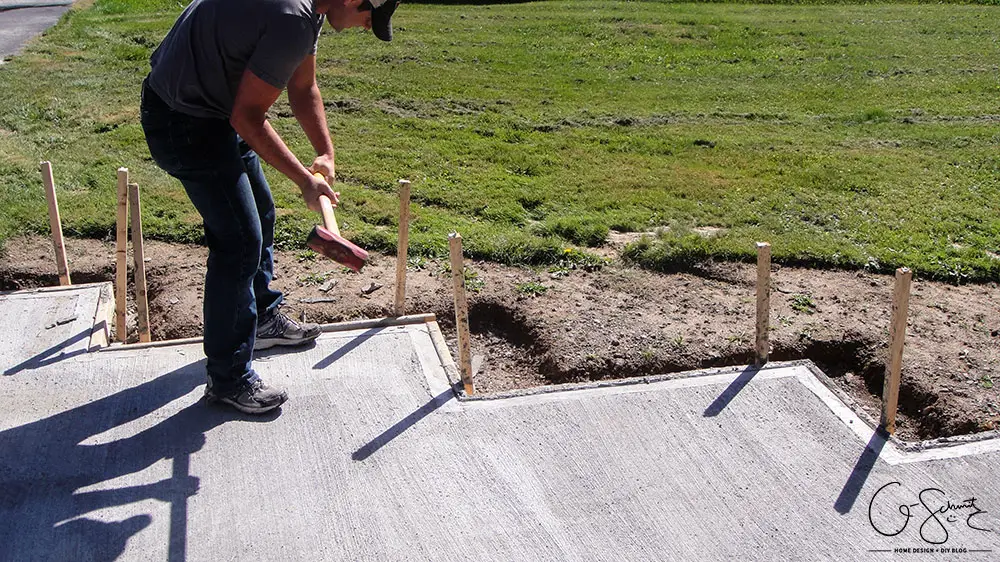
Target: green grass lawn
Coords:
[(846, 135)]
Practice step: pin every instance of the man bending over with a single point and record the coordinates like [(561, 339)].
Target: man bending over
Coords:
[(204, 114)]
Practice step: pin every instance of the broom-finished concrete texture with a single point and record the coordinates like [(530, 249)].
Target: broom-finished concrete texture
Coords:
[(111, 455), (48, 325)]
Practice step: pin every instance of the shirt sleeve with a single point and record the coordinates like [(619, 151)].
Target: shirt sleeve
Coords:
[(281, 49), (315, 48)]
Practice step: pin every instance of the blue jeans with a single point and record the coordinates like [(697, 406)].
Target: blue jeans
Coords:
[(224, 180)]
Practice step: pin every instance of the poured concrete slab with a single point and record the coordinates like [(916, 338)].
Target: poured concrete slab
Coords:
[(374, 458), (43, 326)]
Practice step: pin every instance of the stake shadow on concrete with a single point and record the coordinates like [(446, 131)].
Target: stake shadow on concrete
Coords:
[(402, 425), (47, 358), (44, 464), (347, 347), (734, 388), (862, 469)]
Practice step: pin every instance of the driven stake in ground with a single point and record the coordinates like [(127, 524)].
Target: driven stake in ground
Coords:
[(402, 246), (55, 223)]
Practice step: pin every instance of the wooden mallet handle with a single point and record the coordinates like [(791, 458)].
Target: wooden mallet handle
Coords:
[(329, 220)]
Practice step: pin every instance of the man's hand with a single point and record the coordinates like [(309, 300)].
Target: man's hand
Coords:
[(323, 164), (315, 186)]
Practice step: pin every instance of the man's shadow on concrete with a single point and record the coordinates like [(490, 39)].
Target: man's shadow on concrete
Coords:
[(43, 465)]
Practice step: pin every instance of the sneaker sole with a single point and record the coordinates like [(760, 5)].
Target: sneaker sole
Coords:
[(271, 342)]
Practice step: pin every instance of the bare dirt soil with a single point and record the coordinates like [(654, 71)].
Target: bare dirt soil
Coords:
[(538, 327)]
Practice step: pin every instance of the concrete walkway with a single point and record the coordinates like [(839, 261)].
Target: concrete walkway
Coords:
[(111, 455), (20, 20)]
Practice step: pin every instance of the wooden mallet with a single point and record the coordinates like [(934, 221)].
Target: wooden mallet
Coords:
[(330, 243)]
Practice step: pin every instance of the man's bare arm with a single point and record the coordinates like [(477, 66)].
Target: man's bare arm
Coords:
[(307, 106), (253, 98)]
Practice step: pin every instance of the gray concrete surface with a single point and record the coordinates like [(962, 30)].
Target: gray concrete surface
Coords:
[(111, 456), (20, 21), (48, 325)]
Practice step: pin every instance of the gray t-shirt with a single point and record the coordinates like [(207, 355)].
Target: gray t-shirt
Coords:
[(198, 66)]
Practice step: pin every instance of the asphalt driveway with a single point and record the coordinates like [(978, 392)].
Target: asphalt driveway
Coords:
[(21, 20)]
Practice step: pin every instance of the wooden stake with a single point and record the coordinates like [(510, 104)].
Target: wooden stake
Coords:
[(763, 301), (141, 304), (461, 311), (55, 224), (897, 336), (121, 256), (402, 246)]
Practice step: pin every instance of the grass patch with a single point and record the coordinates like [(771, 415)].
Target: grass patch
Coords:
[(860, 136), (803, 303), (531, 289)]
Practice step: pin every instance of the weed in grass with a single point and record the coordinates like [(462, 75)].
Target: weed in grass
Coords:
[(313, 279), (557, 271), (873, 115), (803, 304), (574, 259), (416, 263), (953, 271), (531, 289), (473, 282), (872, 264)]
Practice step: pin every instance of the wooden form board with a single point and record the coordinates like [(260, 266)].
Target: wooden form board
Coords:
[(141, 302)]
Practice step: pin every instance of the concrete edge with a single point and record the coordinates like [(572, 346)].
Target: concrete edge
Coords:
[(805, 371), (41, 4), (327, 328), (104, 312), (612, 383), (435, 366), (873, 424), (451, 373), (55, 289)]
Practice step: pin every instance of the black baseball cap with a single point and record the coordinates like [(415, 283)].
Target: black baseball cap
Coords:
[(381, 17)]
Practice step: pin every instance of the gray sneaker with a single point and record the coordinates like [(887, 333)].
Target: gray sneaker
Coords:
[(282, 330), (254, 398)]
